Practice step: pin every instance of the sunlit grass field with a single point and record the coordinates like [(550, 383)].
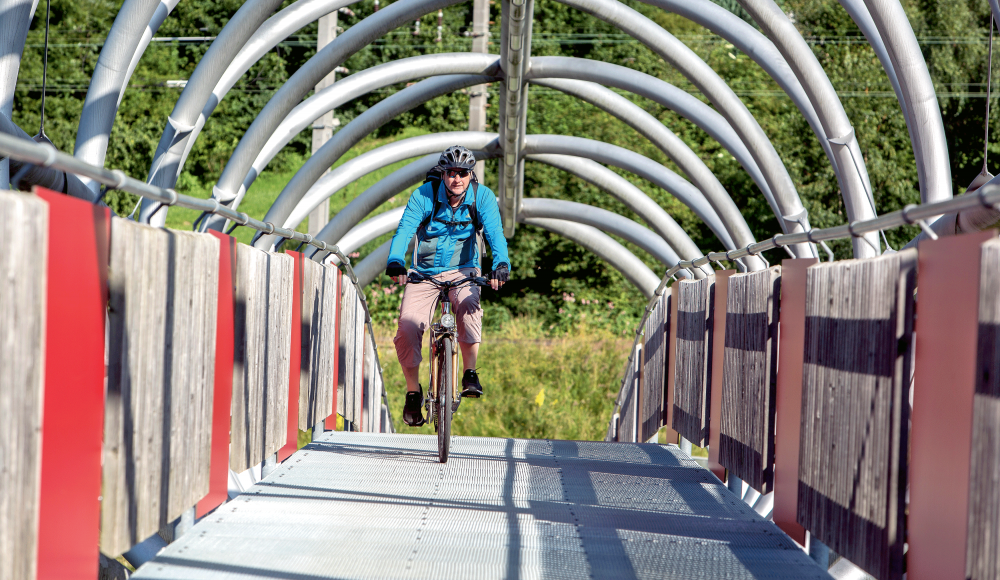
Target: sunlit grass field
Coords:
[(534, 386)]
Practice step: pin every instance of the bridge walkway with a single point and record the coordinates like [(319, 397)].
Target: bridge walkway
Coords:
[(354, 505)]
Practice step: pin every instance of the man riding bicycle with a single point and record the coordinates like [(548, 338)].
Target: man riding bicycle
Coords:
[(448, 224)]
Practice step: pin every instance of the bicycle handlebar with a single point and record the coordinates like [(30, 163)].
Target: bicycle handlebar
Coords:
[(416, 278)]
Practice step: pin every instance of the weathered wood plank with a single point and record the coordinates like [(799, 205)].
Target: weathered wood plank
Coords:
[(319, 343), (352, 328), (749, 374), (23, 255), (262, 343), (157, 439), (692, 370), (983, 551), (855, 410), (627, 413), (371, 388), (654, 371)]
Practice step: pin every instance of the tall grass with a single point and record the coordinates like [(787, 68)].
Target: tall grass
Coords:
[(535, 386)]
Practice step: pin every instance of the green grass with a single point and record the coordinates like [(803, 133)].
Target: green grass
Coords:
[(534, 386), (269, 184)]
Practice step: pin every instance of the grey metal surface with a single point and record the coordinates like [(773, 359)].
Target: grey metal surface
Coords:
[(357, 505)]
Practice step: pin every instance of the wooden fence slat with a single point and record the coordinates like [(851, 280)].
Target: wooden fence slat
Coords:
[(983, 547), (749, 373), (336, 405), (788, 396), (627, 421), (23, 254), (163, 298), (372, 401), (855, 409), (319, 343), (692, 371), (653, 372), (352, 332), (262, 337)]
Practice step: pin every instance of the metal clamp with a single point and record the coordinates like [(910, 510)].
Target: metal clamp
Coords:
[(829, 252), (923, 223), (850, 228)]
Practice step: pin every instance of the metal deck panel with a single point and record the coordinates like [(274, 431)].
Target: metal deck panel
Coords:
[(355, 505)]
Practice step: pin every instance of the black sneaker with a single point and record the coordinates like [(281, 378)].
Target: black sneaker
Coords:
[(412, 414), (470, 385)]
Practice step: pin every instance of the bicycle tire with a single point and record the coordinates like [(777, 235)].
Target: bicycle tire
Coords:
[(446, 386)]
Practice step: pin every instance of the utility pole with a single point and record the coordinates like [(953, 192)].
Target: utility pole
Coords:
[(323, 127), (479, 93)]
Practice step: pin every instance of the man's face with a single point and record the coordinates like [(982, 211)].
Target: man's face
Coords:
[(457, 180)]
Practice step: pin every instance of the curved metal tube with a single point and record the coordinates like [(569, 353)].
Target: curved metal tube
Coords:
[(606, 248), (426, 144), (479, 70), (630, 195), (651, 128), (13, 34), (853, 175), (369, 200), (604, 220), (274, 30), (662, 93), (718, 92), (930, 146), (758, 47), (101, 104), (635, 163), (588, 170), (374, 264), (368, 230), (303, 81), (180, 124), (601, 219), (352, 133), (159, 15), (53, 179), (863, 19), (387, 155)]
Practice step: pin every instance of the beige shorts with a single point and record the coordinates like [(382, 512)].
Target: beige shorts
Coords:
[(418, 307)]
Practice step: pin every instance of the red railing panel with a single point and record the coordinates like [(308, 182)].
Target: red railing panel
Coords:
[(73, 413)]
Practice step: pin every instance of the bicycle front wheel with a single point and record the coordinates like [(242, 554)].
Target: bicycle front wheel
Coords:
[(446, 387)]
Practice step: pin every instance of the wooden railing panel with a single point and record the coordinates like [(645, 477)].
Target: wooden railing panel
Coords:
[(654, 371), (627, 423), (352, 328), (371, 389), (749, 373), (157, 440), (23, 251), (855, 409), (983, 547), (692, 371), (319, 343), (262, 343)]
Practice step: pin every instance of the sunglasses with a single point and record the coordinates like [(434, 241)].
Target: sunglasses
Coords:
[(463, 173)]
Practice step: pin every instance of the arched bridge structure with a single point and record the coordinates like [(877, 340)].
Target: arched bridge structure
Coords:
[(153, 382)]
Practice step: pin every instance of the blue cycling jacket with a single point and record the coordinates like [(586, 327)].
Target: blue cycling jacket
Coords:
[(442, 247)]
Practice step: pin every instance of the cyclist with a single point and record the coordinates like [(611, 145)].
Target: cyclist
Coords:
[(448, 223)]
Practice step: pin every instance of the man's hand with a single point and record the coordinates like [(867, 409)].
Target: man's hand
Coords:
[(499, 276), (397, 273)]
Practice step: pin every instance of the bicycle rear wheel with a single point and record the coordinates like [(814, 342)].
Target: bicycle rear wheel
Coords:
[(446, 386)]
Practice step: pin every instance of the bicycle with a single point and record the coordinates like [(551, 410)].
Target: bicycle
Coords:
[(442, 399)]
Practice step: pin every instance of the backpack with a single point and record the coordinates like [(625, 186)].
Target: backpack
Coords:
[(434, 177)]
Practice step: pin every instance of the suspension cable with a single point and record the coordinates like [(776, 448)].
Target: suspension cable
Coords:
[(41, 137)]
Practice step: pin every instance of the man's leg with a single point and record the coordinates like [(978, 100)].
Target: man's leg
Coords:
[(470, 351), (470, 326), (413, 319)]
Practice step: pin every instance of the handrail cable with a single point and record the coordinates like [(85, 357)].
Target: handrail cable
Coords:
[(46, 155)]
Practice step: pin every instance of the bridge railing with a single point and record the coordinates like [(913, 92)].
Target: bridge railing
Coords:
[(139, 365), (829, 385)]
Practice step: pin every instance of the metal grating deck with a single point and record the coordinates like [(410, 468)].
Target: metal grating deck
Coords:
[(355, 505)]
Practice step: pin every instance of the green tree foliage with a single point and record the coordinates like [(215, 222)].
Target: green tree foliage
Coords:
[(547, 269)]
